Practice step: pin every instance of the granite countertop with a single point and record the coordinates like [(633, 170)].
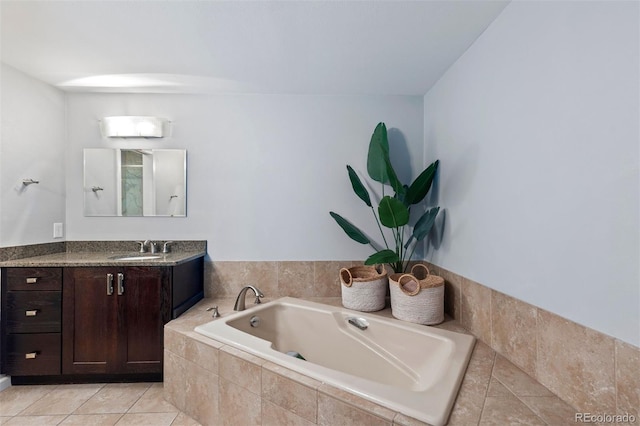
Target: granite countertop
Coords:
[(105, 258)]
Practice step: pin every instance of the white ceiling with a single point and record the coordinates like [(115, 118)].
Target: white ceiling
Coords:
[(319, 47)]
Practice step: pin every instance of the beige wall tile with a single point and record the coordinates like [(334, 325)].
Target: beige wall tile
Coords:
[(333, 412), (292, 375), (241, 368), (238, 406), (501, 411), (226, 279), (355, 401), (201, 354), (327, 278), (516, 380), (628, 379), (292, 396), (274, 415), (513, 330), (174, 377), (201, 395), (452, 291), (174, 341), (476, 310), (296, 279), (576, 363)]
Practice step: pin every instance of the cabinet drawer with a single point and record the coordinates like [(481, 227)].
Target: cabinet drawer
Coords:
[(33, 311), (34, 279), (33, 354)]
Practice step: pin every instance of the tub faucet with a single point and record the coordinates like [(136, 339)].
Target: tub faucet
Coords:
[(239, 306)]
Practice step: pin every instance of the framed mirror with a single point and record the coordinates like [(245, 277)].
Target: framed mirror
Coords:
[(135, 182)]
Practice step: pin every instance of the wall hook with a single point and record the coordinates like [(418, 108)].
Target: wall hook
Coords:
[(27, 182), (97, 188)]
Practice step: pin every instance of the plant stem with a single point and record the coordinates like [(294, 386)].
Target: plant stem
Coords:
[(379, 227)]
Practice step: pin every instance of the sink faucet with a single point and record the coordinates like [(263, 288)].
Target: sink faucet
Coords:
[(150, 244), (239, 306)]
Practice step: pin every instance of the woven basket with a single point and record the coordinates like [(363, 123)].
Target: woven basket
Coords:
[(417, 297), (364, 288)]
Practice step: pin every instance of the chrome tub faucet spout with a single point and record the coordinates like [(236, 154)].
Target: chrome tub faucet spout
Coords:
[(240, 305)]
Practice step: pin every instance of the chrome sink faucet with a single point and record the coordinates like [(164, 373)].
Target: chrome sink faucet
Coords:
[(150, 244), (240, 306)]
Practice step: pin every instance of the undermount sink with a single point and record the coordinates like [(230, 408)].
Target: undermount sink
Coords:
[(136, 257)]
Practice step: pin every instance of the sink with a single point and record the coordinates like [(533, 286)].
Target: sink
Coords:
[(136, 257)]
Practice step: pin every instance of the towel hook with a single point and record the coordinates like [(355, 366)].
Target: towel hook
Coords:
[(29, 181)]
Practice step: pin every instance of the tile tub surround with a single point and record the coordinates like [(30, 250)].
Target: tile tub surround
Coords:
[(218, 384), (592, 371)]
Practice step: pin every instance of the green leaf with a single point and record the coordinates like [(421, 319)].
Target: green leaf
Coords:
[(383, 256), (354, 233), (421, 185), (425, 223), (378, 154), (393, 180), (393, 213), (358, 187)]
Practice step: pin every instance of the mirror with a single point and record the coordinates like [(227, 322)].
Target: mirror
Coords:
[(135, 182)]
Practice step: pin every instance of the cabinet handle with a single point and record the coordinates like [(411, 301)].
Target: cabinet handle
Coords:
[(32, 280), (31, 313), (31, 355), (120, 284), (109, 284)]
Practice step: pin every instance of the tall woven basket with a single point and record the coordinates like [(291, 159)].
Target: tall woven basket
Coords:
[(417, 297), (364, 288)]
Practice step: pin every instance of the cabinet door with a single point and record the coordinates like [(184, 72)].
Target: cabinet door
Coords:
[(141, 307), (89, 321)]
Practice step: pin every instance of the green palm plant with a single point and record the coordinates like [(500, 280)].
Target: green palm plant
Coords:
[(393, 211)]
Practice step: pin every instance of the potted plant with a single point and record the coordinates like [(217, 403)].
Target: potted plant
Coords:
[(393, 211)]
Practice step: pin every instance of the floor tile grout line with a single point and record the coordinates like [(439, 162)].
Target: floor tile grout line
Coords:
[(486, 391)]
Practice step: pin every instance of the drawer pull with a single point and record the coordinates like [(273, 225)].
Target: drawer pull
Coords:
[(32, 280), (31, 355), (31, 313)]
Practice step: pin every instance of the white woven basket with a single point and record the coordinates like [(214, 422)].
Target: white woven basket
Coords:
[(417, 300), (364, 288)]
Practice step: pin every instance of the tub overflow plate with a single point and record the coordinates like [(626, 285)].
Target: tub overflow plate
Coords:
[(254, 321)]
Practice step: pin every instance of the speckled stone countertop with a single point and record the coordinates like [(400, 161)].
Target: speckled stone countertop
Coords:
[(68, 259)]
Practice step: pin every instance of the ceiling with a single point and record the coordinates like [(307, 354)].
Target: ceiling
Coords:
[(299, 47)]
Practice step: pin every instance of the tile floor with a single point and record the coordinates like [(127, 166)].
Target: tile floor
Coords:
[(90, 404)]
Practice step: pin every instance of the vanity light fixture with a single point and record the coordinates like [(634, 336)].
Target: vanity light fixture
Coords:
[(133, 126)]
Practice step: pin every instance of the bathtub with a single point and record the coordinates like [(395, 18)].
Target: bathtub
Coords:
[(412, 369)]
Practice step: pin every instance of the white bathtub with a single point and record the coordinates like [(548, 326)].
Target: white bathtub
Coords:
[(412, 369)]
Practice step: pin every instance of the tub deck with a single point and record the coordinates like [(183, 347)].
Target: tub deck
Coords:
[(218, 384)]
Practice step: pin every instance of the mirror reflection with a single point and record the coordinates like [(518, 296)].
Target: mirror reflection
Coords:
[(135, 182)]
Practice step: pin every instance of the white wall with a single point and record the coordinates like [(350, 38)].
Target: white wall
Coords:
[(32, 145), (263, 170), (536, 127)]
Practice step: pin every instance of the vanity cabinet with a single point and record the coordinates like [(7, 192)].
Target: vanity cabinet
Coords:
[(31, 317), (92, 323), (113, 318)]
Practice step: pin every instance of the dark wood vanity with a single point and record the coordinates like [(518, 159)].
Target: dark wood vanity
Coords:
[(92, 323)]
